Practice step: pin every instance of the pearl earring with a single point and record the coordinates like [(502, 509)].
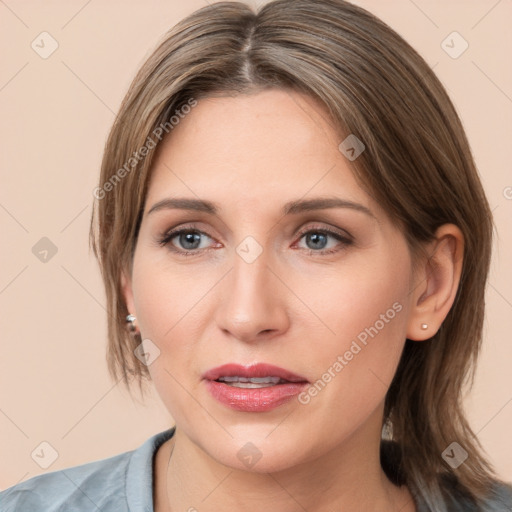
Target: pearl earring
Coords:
[(424, 326), (130, 319)]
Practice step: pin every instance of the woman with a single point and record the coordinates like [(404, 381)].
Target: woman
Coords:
[(294, 242)]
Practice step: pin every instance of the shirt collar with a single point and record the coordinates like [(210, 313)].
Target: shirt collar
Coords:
[(139, 473)]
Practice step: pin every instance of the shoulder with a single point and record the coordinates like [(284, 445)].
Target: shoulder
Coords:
[(94, 486), (499, 498), (117, 484), (455, 499)]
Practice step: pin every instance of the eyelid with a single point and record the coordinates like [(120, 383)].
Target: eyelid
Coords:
[(328, 229)]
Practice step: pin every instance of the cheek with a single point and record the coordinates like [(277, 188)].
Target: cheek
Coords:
[(355, 364), (364, 301), (164, 302), (164, 297), (170, 304)]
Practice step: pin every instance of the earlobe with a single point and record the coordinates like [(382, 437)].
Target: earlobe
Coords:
[(131, 317), (436, 283)]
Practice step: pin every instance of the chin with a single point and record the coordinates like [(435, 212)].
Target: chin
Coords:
[(257, 452)]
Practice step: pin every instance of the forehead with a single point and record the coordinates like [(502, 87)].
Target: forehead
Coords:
[(263, 148)]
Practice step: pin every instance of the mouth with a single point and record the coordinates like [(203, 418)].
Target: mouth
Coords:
[(255, 388)]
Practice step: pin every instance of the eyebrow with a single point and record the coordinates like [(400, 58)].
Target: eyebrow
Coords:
[(290, 208)]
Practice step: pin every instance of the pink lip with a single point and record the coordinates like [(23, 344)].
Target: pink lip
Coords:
[(253, 399)]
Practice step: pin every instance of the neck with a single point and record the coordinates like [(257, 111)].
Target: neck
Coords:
[(348, 477)]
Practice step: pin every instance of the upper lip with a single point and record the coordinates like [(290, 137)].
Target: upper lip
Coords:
[(253, 370)]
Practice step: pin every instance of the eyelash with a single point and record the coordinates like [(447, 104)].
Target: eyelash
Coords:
[(165, 239)]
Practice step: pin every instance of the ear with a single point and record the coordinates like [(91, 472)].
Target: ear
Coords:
[(126, 286), (436, 282)]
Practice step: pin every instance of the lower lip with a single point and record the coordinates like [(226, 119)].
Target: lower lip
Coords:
[(254, 399)]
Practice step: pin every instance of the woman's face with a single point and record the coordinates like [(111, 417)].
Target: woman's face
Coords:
[(268, 278)]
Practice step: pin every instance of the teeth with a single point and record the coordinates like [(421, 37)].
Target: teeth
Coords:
[(250, 385), (250, 382), (263, 380)]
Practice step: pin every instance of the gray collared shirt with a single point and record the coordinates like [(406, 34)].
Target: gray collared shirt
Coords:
[(123, 483)]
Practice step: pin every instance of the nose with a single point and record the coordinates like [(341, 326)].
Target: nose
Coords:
[(253, 301)]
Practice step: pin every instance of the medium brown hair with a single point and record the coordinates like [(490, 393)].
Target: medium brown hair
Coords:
[(417, 164)]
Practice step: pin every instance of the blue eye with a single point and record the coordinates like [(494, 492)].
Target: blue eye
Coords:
[(189, 239), (318, 239)]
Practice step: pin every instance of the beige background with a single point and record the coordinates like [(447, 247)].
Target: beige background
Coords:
[(55, 116)]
